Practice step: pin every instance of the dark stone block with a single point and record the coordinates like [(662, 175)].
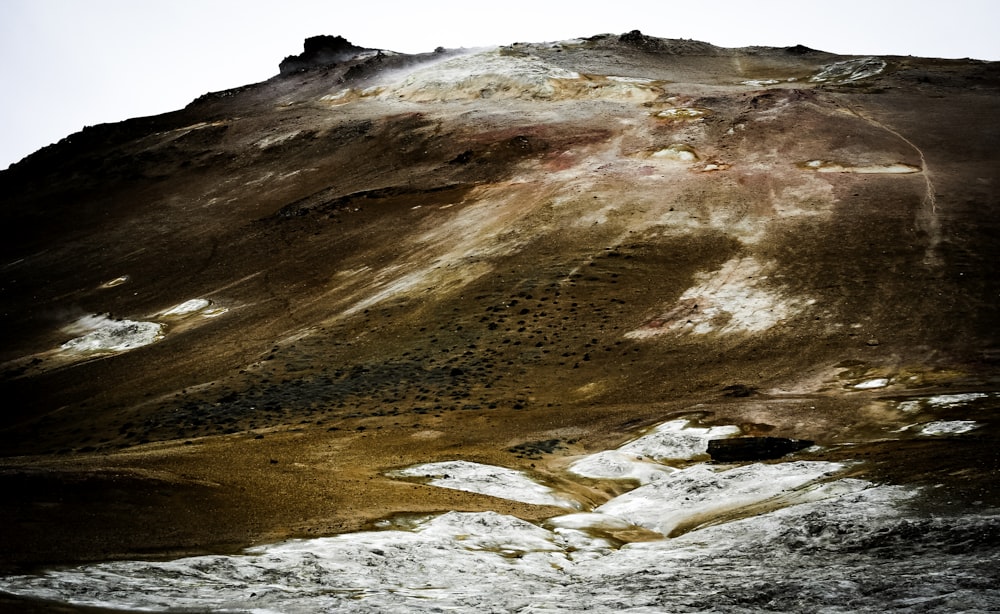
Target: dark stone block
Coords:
[(754, 448)]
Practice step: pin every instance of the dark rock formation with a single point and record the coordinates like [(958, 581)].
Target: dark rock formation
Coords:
[(799, 50), (636, 38), (320, 51), (738, 390), (753, 448)]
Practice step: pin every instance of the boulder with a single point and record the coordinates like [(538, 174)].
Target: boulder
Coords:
[(753, 448)]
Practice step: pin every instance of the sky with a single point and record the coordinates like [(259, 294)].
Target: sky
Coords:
[(66, 64)]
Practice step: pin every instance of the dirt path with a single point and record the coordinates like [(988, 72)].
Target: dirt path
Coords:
[(927, 216)]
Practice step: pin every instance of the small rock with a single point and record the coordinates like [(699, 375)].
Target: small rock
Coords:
[(738, 390)]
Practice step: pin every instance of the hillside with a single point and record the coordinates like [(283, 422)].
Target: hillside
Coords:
[(231, 324)]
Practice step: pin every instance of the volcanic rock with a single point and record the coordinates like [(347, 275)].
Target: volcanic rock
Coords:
[(638, 39), (738, 449), (320, 51)]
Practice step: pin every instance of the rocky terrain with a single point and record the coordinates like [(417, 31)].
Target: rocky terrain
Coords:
[(402, 303)]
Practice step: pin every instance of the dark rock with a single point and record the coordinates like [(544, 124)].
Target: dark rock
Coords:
[(462, 158), (738, 390), (753, 448), (636, 38), (320, 51), (799, 50)]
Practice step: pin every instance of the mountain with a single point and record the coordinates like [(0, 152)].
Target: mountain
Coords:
[(231, 324)]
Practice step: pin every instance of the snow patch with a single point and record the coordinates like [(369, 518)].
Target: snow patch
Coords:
[(849, 71), (489, 531), (570, 42), (199, 306), (640, 458), (629, 80), (677, 440), (102, 334), (588, 520), (949, 427), (678, 152), (593, 218), (951, 400), (616, 465), (489, 480), (762, 522), (511, 73), (941, 401), (277, 139), (696, 495), (825, 524), (682, 113), (337, 96), (187, 307), (730, 300), (488, 74), (828, 166), (481, 562), (879, 382), (117, 281)]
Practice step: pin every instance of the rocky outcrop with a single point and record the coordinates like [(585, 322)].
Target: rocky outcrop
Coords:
[(638, 39), (320, 51)]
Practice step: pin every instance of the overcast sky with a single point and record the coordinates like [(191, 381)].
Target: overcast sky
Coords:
[(70, 63)]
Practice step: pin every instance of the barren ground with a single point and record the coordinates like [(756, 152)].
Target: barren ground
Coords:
[(516, 267)]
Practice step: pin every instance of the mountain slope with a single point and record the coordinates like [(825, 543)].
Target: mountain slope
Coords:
[(512, 256)]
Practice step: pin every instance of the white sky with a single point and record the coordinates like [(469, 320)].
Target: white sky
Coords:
[(65, 64)]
